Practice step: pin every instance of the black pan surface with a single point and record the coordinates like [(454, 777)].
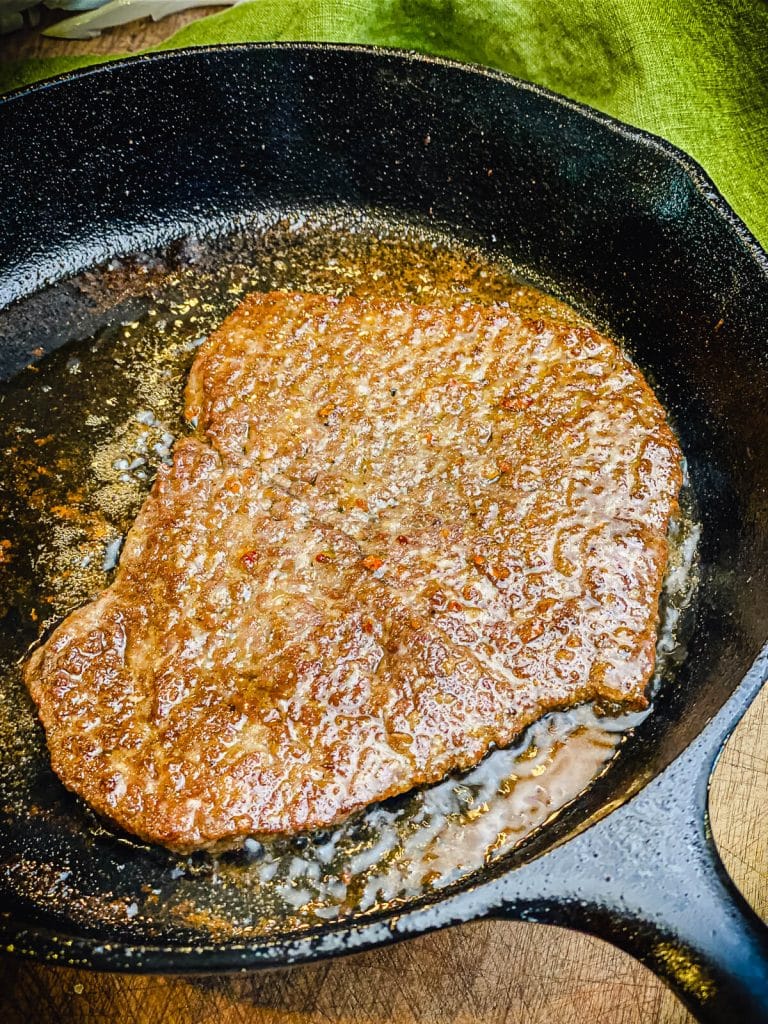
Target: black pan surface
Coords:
[(148, 156)]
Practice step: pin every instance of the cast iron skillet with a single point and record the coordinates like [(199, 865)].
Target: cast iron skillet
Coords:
[(135, 154)]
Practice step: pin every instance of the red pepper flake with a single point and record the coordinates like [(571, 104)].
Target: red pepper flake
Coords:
[(324, 557), (403, 539), (505, 467), (372, 562), (250, 560), (428, 438), (478, 559), (367, 626), (516, 402), (361, 503), (454, 606)]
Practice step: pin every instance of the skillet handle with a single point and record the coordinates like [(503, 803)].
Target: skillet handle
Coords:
[(648, 878)]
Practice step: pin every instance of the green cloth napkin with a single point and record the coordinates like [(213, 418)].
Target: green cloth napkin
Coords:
[(693, 71)]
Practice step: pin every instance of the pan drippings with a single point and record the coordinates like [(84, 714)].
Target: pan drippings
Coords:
[(83, 432)]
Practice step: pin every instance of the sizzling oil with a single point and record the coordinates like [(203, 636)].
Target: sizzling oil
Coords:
[(83, 431)]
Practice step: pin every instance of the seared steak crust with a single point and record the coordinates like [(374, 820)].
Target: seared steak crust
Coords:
[(398, 536)]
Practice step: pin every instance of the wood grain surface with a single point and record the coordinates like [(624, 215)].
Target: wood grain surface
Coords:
[(486, 971)]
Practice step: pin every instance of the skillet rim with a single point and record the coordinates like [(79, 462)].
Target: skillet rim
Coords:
[(704, 184), (462, 901)]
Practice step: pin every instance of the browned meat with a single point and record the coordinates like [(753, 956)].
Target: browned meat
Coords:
[(399, 536)]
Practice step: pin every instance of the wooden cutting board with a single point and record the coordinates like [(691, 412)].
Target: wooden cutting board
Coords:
[(486, 971)]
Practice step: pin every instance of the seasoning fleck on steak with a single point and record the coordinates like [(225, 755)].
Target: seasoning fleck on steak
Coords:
[(398, 536)]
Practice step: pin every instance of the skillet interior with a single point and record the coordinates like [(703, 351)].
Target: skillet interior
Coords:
[(616, 223), (83, 431)]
